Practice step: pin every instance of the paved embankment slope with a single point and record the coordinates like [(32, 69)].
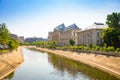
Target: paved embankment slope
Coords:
[(10, 61), (107, 64)]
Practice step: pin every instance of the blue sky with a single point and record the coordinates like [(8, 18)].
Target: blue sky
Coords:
[(37, 17)]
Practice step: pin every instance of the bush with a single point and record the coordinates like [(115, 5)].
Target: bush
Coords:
[(94, 47), (26, 43), (80, 47), (75, 47), (87, 47), (118, 50), (71, 42), (97, 48), (13, 44), (83, 47), (110, 48), (105, 48), (101, 49), (64, 47)]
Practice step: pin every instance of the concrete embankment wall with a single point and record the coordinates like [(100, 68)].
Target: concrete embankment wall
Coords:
[(10, 61), (108, 64)]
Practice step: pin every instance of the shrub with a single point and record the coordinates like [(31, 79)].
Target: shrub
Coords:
[(118, 50), (97, 48), (87, 47), (26, 43), (94, 47), (52, 45), (71, 42), (105, 48), (13, 44), (101, 49), (79, 47), (110, 48)]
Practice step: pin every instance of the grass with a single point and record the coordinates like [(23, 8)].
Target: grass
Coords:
[(4, 51)]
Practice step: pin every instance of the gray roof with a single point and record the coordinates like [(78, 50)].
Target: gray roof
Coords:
[(73, 26), (61, 27), (99, 23), (97, 26)]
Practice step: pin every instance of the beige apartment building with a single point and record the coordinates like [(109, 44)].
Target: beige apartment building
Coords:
[(92, 35)]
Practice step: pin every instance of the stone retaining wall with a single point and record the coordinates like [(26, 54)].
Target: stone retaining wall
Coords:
[(10, 61)]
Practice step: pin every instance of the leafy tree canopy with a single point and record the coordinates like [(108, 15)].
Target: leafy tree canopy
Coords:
[(5, 38), (113, 20), (4, 34), (111, 37)]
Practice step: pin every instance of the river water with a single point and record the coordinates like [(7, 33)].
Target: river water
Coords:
[(46, 66)]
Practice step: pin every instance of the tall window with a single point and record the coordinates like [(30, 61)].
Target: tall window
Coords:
[(98, 41), (98, 34), (88, 34)]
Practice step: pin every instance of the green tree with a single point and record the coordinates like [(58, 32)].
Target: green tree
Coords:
[(113, 20), (4, 34), (71, 42), (111, 37), (13, 44)]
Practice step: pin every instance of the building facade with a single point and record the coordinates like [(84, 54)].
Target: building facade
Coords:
[(14, 36), (21, 39), (92, 35), (34, 39), (62, 34), (55, 35), (69, 33)]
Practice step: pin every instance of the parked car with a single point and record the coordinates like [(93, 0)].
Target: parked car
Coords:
[(1, 46), (5, 46)]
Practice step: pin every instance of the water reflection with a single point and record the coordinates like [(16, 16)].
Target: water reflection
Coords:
[(10, 76), (46, 66), (76, 68)]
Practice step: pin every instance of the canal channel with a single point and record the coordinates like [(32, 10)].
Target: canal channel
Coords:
[(40, 65)]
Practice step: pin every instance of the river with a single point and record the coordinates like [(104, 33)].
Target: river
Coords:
[(46, 66)]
